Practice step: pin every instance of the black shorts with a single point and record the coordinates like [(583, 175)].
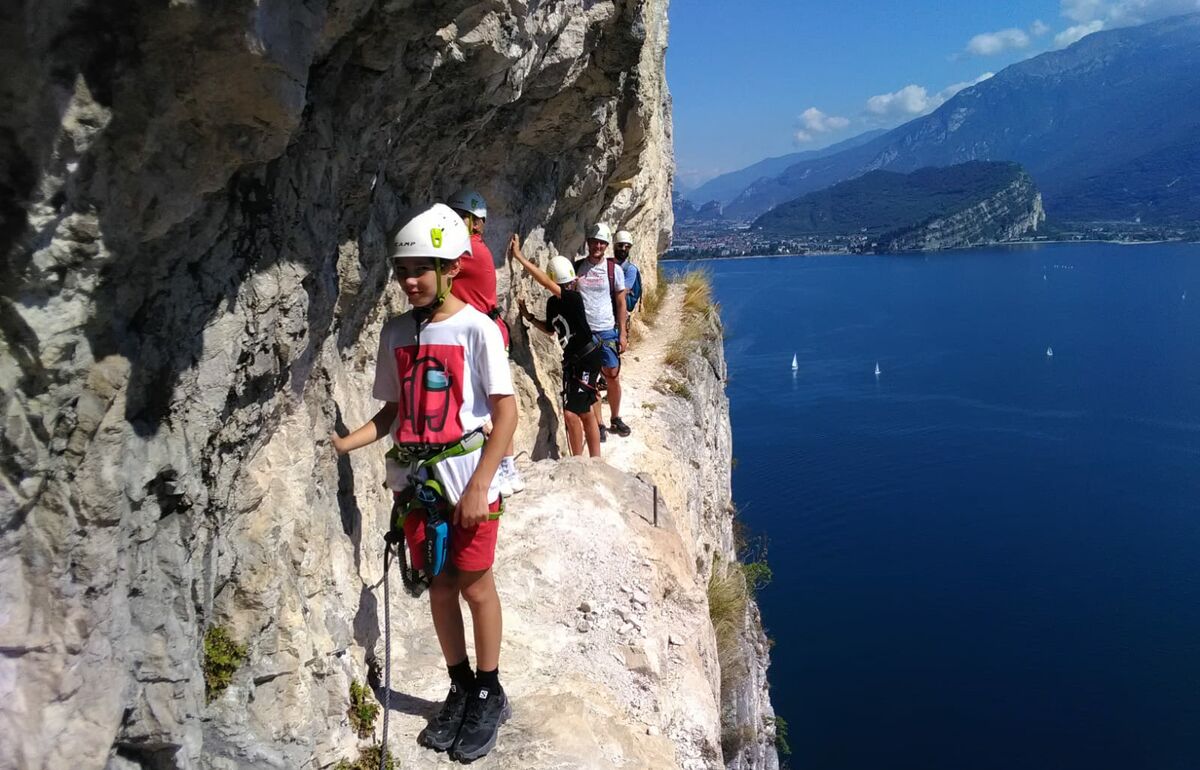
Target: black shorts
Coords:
[(579, 382)]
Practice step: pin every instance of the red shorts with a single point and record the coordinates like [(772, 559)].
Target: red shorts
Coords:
[(472, 549)]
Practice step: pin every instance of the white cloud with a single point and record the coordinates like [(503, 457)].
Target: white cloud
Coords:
[(817, 121), (1120, 13), (1072, 34), (915, 100), (813, 122), (1038, 28), (910, 100), (992, 43)]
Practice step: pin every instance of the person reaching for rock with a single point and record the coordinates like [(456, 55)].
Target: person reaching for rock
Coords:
[(566, 319), (441, 371)]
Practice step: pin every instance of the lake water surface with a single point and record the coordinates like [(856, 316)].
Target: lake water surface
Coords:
[(985, 557)]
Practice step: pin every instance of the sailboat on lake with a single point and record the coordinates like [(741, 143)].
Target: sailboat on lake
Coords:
[(877, 372), (1049, 352), (795, 363)]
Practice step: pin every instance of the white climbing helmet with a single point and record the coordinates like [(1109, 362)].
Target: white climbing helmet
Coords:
[(561, 270), (600, 232), (623, 236), (433, 231), (470, 202)]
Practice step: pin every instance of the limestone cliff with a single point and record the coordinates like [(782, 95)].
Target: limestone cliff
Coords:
[(195, 199), (1006, 215)]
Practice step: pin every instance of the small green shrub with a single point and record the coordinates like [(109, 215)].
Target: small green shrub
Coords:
[(222, 657), (363, 710), (758, 574), (673, 387), (781, 736), (368, 759)]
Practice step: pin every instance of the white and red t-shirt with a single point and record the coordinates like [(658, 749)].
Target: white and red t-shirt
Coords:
[(443, 385)]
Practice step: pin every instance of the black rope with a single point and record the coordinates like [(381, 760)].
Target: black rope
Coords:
[(387, 654)]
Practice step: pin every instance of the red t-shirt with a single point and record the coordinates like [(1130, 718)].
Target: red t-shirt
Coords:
[(475, 283)]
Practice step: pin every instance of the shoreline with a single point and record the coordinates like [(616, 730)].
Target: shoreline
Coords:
[(938, 251)]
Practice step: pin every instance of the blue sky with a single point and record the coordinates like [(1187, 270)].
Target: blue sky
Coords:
[(758, 78)]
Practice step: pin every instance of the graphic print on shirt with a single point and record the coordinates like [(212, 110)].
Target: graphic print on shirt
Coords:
[(431, 394), (562, 330)]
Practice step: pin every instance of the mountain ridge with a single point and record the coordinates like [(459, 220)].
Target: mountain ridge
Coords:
[(725, 187), (1067, 116)]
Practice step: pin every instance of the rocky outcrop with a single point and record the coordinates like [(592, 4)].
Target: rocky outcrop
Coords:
[(1011, 213), (195, 202)]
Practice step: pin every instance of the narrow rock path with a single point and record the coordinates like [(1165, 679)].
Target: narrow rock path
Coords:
[(603, 615)]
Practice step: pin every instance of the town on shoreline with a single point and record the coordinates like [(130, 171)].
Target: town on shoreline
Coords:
[(720, 240)]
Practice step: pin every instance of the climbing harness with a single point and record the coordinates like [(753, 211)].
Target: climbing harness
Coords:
[(425, 494)]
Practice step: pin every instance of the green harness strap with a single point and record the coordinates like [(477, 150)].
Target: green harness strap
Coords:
[(472, 442)]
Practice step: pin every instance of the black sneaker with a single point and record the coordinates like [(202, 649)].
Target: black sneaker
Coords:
[(619, 427), (486, 711), (442, 729), (603, 434)]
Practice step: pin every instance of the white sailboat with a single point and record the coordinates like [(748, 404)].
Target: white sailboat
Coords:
[(795, 363), (1049, 352), (877, 372)]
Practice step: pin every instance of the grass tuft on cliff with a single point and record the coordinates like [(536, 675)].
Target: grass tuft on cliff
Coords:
[(368, 759), (222, 657), (363, 710), (727, 598), (697, 321)]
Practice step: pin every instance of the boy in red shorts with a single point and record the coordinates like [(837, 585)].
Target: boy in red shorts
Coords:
[(441, 372)]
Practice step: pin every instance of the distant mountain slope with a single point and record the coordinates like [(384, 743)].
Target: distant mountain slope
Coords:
[(726, 187), (931, 208), (1113, 108)]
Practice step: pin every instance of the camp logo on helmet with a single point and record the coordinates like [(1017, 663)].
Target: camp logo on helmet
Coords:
[(435, 235)]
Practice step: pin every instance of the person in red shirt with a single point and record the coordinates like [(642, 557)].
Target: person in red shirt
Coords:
[(476, 285)]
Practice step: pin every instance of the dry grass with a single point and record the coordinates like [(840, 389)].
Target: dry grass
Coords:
[(696, 322), (727, 598), (652, 300), (697, 293)]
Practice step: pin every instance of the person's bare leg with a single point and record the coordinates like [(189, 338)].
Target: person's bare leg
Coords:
[(479, 589), (592, 431), (597, 415), (574, 432), (612, 376), (447, 617)]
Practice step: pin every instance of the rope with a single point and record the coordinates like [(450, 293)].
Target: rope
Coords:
[(387, 657)]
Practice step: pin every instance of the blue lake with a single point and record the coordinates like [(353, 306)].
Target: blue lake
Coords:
[(985, 557)]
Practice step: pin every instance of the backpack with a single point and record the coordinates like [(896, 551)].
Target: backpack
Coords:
[(634, 294)]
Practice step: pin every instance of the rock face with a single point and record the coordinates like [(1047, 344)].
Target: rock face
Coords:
[(1004, 216), (195, 200)]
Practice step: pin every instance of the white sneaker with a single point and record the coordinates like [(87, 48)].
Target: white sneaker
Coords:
[(503, 482), (514, 478)]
